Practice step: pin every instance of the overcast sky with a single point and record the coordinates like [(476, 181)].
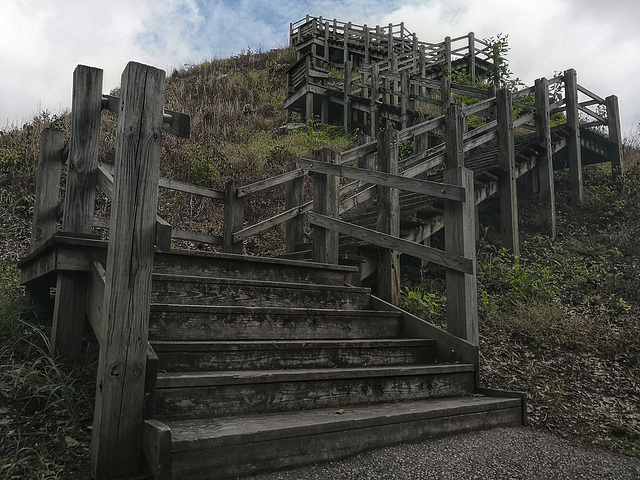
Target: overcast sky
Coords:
[(41, 41)]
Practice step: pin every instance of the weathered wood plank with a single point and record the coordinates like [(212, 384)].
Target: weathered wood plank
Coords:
[(462, 292), (233, 217), (189, 188), (294, 197), (69, 312), (176, 123), (117, 429), (47, 186), (157, 448), (325, 202), (430, 254), (545, 159), (573, 140), (95, 300), (615, 135), (426, 187), (268, 223), (388, 207), (270, 182), (508, 177), (196, 237)]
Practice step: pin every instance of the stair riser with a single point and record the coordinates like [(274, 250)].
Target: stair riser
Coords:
[(304, 357), (189, 293), (242, 459), (258, 269), (212, 401), (254, 326)]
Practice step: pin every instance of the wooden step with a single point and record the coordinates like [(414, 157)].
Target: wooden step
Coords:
[(197, 290), (206, 322), (226, 265), (258, 355), (214, 394), (222, 448)]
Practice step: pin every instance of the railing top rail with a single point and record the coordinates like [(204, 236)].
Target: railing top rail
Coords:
[(589, 93)]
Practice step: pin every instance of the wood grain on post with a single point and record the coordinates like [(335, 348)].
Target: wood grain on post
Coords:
[(82, 172), (459, 227), (347, 112), (388, 218), (294, 197), (366, 162), (117, 427), (472, 58), (375, 93), (47, 186), (507, 181), (573, 141), (615, 135), (325, 202), (446, 96), (545, 160), (233, 217)]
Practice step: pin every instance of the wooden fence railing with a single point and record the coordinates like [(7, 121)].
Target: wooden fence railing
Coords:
[(392, 39), (115, 296)]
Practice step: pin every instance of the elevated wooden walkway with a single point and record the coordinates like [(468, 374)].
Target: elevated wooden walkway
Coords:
[(214, 365)]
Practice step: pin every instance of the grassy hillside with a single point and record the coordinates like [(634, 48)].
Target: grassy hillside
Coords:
[(563, 324)]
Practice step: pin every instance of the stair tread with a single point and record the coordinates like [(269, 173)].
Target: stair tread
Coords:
[(206, 433), (168, 277), (239, 377), (206, 345), (194, 308)]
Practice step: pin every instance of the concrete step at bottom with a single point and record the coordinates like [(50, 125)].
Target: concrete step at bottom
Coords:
[(222, 448), (213, 394)]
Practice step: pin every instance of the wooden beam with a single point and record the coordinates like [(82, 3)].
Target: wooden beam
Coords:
[(233, 217), (117, 427), (545, 159), (325, 202), (573, 140), (427, 187), (388, 206), (82, 166), (615, 135), (507, 179), (433, 255), (47, 186), (294, 197), (95, 300)]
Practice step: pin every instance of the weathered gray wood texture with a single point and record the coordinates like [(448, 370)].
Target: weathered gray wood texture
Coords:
[(117, 425)]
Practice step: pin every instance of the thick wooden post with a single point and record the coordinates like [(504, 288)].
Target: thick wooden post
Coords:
[(375, 94), (446, 98), (71, 287), (294, 197), (545, 160), (405, 97), (615, 135), (447, 54), (472, 58), (325, 202), (347, 112), (117, 426), (507, 181), (388, 218), (308, 98), (459, 224), (233, 217), (47, 186), (366, 162), (573, 141)]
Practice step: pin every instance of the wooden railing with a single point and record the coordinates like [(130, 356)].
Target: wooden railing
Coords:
[(394, 39), (115, 295)]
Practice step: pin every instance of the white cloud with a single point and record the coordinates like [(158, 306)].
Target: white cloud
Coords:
[(42, 42)]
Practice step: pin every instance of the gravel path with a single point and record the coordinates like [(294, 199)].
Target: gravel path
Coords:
[(511, 453)]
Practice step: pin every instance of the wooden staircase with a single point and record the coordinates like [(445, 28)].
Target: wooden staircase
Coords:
[(267, 363)]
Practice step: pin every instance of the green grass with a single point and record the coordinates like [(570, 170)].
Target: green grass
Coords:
[(45, 405)]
